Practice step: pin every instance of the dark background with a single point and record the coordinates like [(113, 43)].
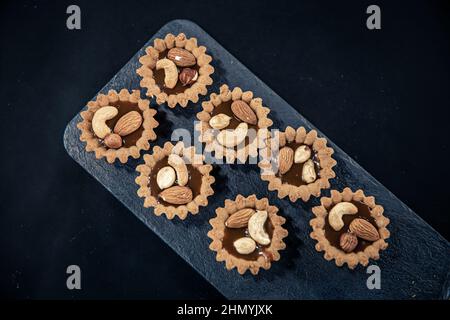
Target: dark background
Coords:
[(382, 96)]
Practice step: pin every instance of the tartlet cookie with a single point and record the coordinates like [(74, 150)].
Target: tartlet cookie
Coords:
[(174, 181), (254, 222), (227, 119), (175, 70), (299, 166), (118, 125), (350, 228)]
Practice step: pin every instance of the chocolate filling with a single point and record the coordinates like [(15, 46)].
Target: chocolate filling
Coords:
[(225, 108), (334, 236), (194, 182), (294, 175), (159, 76), (124, 107), (232, 234)]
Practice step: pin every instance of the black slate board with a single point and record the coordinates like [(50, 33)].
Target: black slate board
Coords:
[(416, 264)]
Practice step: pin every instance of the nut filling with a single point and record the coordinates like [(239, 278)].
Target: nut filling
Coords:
[(114, 140), (175, 70), (247, 234), (349, 228), (185, 76), (194, 182), (224, 114), (175, 181), (118, 125), (341, 238), (303, 167), (231, 235), (233, 125)]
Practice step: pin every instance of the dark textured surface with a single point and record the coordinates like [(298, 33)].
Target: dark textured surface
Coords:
[(415, 265)]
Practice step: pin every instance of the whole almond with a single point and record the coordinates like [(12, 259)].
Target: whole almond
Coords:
[(177, 195), (348, 242), (244, 112), (181, 57), (240, 218), (364, 229), (286, 159), (128, 124), (113, 141)]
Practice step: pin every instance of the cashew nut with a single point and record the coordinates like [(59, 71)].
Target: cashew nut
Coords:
[(336, 213), (245, 245), (302, 154), (256, 228), (102, 115), (232, 138), (309, 172), (220, 121), (170, 71), (165, 178), (180, 167)]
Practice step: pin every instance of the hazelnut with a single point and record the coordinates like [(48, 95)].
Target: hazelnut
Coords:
[(113, 141), (188, 76), (348, 242)]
